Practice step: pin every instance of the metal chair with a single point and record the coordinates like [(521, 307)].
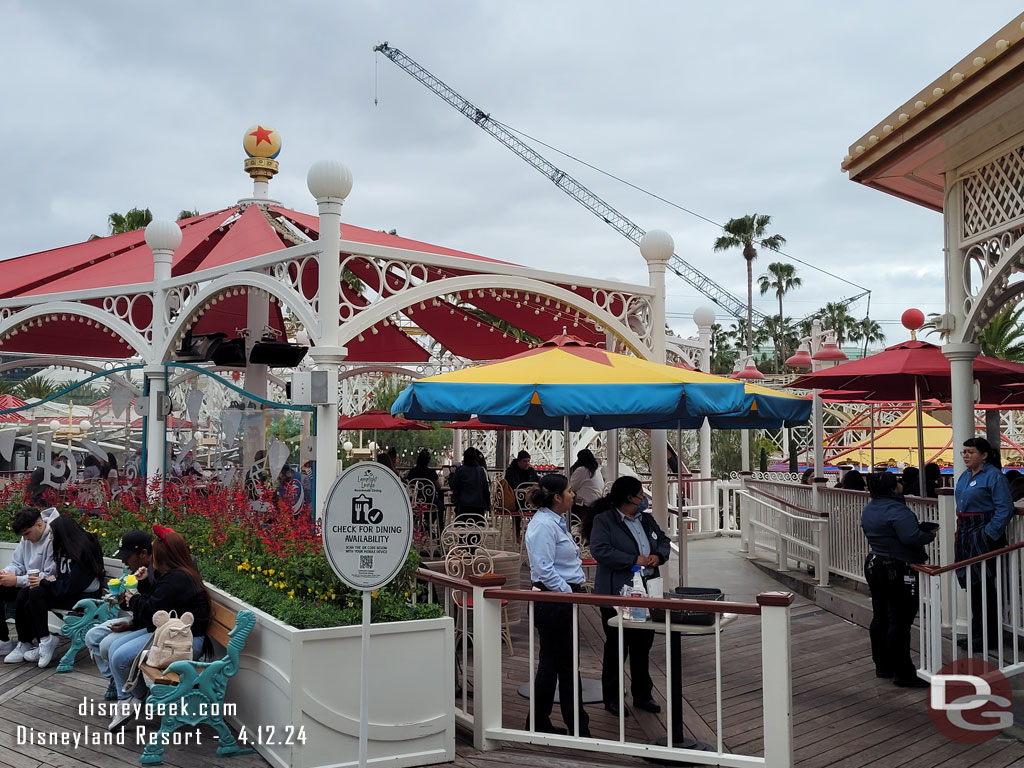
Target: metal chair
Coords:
[(575, 525), (460, 563), (524, 509), (425, 498)]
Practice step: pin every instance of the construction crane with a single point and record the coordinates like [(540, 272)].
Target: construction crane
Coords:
[(708, 287)]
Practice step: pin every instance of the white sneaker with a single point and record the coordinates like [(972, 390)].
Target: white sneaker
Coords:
[(32, 655), (124, 712), (47, 647), (6, 646), (18, 654)]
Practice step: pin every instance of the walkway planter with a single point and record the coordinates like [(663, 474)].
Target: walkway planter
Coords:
[(309, 678)]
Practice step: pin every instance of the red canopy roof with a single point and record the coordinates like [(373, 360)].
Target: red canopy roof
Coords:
[(234, 234), (379, 420), (6, 403)]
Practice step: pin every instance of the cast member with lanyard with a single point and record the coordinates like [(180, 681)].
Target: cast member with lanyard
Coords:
[(622, 536), (554, 567), (984, 508)]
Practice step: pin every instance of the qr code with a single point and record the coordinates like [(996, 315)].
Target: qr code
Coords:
[(366, 561)]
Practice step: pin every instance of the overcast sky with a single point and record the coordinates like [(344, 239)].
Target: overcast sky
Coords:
[(724, 108)]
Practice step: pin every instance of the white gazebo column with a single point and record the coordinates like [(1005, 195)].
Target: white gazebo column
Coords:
[(611, 436), (961, 374), (704, 317), (657, 248), (162, 237), (329, 182)]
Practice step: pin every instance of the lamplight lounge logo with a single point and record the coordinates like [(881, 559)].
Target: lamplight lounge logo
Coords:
[(367, 481), (970, 701)]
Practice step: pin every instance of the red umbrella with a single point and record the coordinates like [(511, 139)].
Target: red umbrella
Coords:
[(476, 424), (909, 372), (378, 420), (8, 402)]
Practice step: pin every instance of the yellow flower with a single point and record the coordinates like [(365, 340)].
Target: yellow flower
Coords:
[(239, 566), (271, 571), (373, 594)]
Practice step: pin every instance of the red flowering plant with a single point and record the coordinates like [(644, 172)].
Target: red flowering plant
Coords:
[(247, 542)]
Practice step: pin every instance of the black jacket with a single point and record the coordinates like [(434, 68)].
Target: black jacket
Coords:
[(74, 578), (173, 591), (894, 531), (613, 546)]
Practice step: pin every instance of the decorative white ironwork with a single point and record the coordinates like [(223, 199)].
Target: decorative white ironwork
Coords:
[(298, 274), (992, 197), (129, 308)]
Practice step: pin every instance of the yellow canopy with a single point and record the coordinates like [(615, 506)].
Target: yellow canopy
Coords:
[(897, 442)]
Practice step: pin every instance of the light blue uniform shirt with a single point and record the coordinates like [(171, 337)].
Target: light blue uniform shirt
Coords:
[(987, 494), (637, 529), (554, 556)]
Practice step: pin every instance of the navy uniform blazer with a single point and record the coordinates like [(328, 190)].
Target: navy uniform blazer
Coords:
[(613, 546)]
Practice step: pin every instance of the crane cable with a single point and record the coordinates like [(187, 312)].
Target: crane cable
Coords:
[(668, 202)]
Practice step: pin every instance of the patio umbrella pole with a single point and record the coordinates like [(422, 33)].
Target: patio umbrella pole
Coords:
[(871, 431), (566, 448), (680, 525), (920, 434)]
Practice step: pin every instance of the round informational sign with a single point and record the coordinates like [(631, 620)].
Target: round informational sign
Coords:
[(367, 526)]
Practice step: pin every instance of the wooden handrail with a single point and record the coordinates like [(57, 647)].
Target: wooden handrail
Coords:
[(791, 505), (935, 570), (434, 577), (612, 601)]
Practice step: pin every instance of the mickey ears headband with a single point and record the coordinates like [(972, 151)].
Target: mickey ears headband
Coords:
[(162, 532)]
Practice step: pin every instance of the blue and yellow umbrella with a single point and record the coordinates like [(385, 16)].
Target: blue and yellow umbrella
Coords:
[(568, 379)]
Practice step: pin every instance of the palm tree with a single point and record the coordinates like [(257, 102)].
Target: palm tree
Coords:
[(37, 386), (836, 316), (783, 337), (780, 278), (868, 331), (185, 213), (746, 232), (134, 219), (1003, 337), (722, 358)]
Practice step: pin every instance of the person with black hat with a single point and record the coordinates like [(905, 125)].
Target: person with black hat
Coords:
[(135, 550)]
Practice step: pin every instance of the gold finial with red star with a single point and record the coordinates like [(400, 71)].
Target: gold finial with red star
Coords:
[(262, 145)]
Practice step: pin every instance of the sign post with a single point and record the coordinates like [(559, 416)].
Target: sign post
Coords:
[(367, 532)]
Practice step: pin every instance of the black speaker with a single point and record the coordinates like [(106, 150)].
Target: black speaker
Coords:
[(200, 347), (230, 354), (277, 354)]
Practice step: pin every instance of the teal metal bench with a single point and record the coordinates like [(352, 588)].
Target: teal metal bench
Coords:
[(191, 687), (86, 614)]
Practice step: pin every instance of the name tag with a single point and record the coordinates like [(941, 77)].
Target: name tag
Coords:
[(973, 483)]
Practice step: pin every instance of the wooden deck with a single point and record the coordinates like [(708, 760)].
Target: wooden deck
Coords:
[(844, 717)]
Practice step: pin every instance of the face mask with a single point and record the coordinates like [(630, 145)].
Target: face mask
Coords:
[(642, 506)]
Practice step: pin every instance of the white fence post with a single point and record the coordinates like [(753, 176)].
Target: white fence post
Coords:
[(777, 678), (955, 602), (486, 661), (742, 516)]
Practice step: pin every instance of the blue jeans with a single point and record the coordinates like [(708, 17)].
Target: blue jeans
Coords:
[(110, 650)]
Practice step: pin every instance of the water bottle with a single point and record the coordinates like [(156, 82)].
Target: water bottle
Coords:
[(638, 590)]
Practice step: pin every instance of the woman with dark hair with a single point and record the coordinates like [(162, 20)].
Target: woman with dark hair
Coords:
[(428, 488), (585, 478), (853, 480), (78, 562), (178, 588), (984, 508), (385, 458), (621, 536), (896, 539), (471, 493), (289, 490), (911, 481), (555, 566)]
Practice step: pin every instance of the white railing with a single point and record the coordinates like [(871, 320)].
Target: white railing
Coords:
[(773, 608), (945, 613), (800, 535)]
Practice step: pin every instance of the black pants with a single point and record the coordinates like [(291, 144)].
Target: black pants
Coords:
[(893, 586), (22, 624), (40, 601), (636, 646), (554, 625), (983, 598)]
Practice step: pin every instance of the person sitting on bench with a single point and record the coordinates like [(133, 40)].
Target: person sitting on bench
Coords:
[(31, 563), (180, 589)]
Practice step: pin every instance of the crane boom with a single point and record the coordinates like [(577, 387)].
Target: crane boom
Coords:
[(730, 303)]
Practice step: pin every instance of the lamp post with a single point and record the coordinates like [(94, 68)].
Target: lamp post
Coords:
[(817, 351)]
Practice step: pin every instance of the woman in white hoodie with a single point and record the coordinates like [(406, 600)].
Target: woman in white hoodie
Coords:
[(34, 553)]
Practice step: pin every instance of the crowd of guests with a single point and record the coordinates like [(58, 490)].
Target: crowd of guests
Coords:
[(57, 563)]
